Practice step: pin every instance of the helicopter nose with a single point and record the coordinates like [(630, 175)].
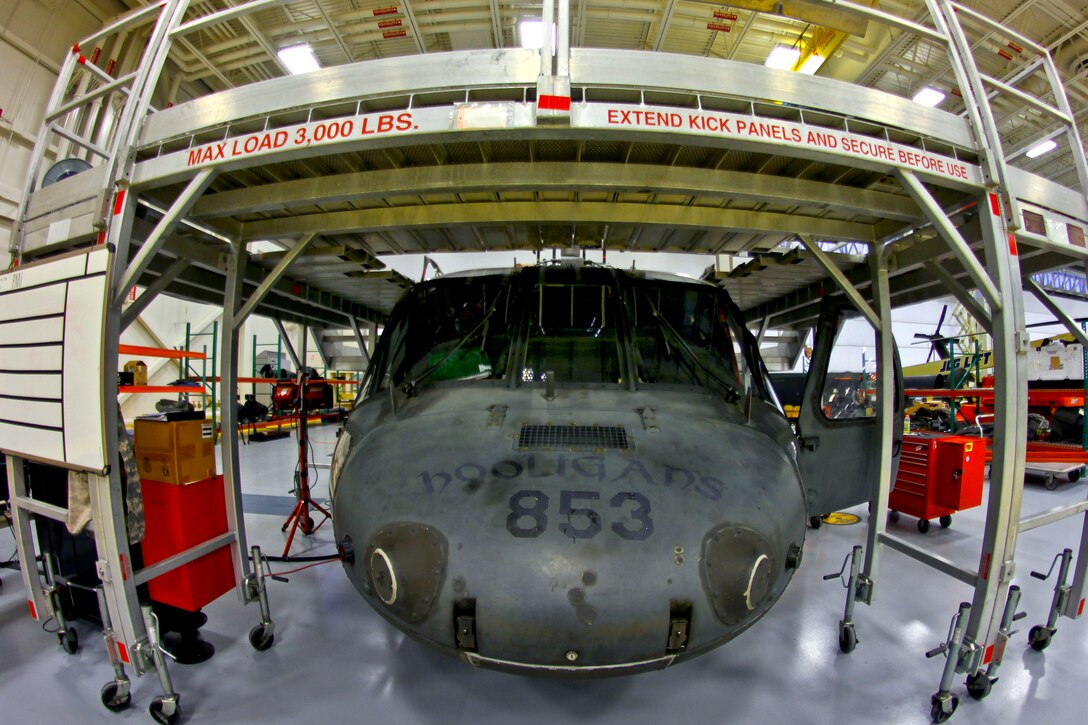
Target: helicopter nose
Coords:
[(739, 568)]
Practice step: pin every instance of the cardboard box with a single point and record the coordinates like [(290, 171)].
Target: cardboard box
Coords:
[(174, 451), (179, 518), (138, 370)]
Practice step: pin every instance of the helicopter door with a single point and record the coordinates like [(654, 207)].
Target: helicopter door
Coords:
[(838, 425)]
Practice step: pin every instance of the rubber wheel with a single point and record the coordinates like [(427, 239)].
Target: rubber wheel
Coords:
[(1051, 482), (261, 637), (893, 516), (1074, 476), (1039, 637), (155, 708), (69, 641), (848, 639), (923, 525), (946, 521), (938, 714), (111, 700), (816, 522), (979, 685)]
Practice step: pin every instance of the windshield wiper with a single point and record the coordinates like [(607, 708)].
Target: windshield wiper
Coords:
[(732, 395), (410, 388)]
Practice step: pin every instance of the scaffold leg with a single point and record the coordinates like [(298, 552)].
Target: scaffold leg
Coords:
[(66, 635), (979, 683), (1040, 635), (848, 637), (164, 708), (264, 634), (116, 694), (944, 703)]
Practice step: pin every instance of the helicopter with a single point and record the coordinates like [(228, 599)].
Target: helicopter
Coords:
[(574, 470)]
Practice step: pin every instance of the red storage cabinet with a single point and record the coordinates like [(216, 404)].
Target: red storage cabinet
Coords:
[(178, 518), (938, 476)]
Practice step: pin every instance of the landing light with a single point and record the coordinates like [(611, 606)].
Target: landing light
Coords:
[(1041, 148), (299, 58)]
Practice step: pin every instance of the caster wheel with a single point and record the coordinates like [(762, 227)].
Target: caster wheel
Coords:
[(979, 685), (261, 637), (1039, 637), (893, 516), (815, 522), (1074, 476), (112, 700), (946, 521), (848, 639), (309, 529), (937, 713), (923, 525), (1051, 483), (69, 641), (157, 710)]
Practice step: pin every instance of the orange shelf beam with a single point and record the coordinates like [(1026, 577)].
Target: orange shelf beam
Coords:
[(192, 389), (141, 351)]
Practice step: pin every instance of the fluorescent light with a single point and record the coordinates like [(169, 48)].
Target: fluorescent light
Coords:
[(531, 33), (783, 57), (299, 58), (811, 64), (1041, 148), (928, 96)]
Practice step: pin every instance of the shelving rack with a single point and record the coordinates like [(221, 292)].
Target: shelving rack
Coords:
[(930, 194)]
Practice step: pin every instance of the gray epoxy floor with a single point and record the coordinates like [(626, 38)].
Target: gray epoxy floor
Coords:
[(335, 660)]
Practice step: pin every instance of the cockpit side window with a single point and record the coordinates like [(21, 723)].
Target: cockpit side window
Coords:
[(573, 334), (682, 335), (454, 329)]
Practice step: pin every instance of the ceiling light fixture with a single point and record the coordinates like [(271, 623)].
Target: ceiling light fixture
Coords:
[(782, 57), (531, 33), (1041, 148), (928, 96), (812, 64), (299, 58)]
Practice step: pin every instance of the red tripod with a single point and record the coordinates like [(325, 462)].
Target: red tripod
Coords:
[(300, 519)]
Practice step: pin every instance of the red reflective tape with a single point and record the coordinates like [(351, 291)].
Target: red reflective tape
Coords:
[(75, 48), (122, 650), (118, 202), (101, 237), (81, 60), (1080, 609), (124, 568), (995, 205), (986, 559), (109, 70), (34, 612), (96, 55), (1012, 245), (988, 656), (553, 103)]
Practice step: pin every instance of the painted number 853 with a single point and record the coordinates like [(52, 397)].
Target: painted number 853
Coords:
[(528, 517)]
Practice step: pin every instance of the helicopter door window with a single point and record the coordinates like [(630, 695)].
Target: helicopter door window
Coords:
[(572, 333), (850, 386)]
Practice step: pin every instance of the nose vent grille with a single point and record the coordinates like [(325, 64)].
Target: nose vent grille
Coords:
[(553, 437)]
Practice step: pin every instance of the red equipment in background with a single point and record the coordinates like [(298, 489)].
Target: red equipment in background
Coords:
[(938, 476)]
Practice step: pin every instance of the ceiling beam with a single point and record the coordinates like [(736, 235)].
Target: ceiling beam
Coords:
[(499, 213), (555, 176)]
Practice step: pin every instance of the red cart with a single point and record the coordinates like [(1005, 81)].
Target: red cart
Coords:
[(938, 476)]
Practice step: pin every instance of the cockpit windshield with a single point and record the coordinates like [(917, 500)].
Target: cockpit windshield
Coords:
[(590, 326)]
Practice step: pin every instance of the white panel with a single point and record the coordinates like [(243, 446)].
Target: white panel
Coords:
[(31, 411), (31, 303), (33, 275), (44, 386), (21, 333), (98, 260), (33, 442), (84, 413), (30, 358)]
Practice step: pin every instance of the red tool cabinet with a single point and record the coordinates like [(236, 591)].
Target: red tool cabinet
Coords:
[(179, 517), (938, 476)]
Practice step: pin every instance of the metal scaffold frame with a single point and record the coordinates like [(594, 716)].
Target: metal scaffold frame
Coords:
[(146, 150)]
